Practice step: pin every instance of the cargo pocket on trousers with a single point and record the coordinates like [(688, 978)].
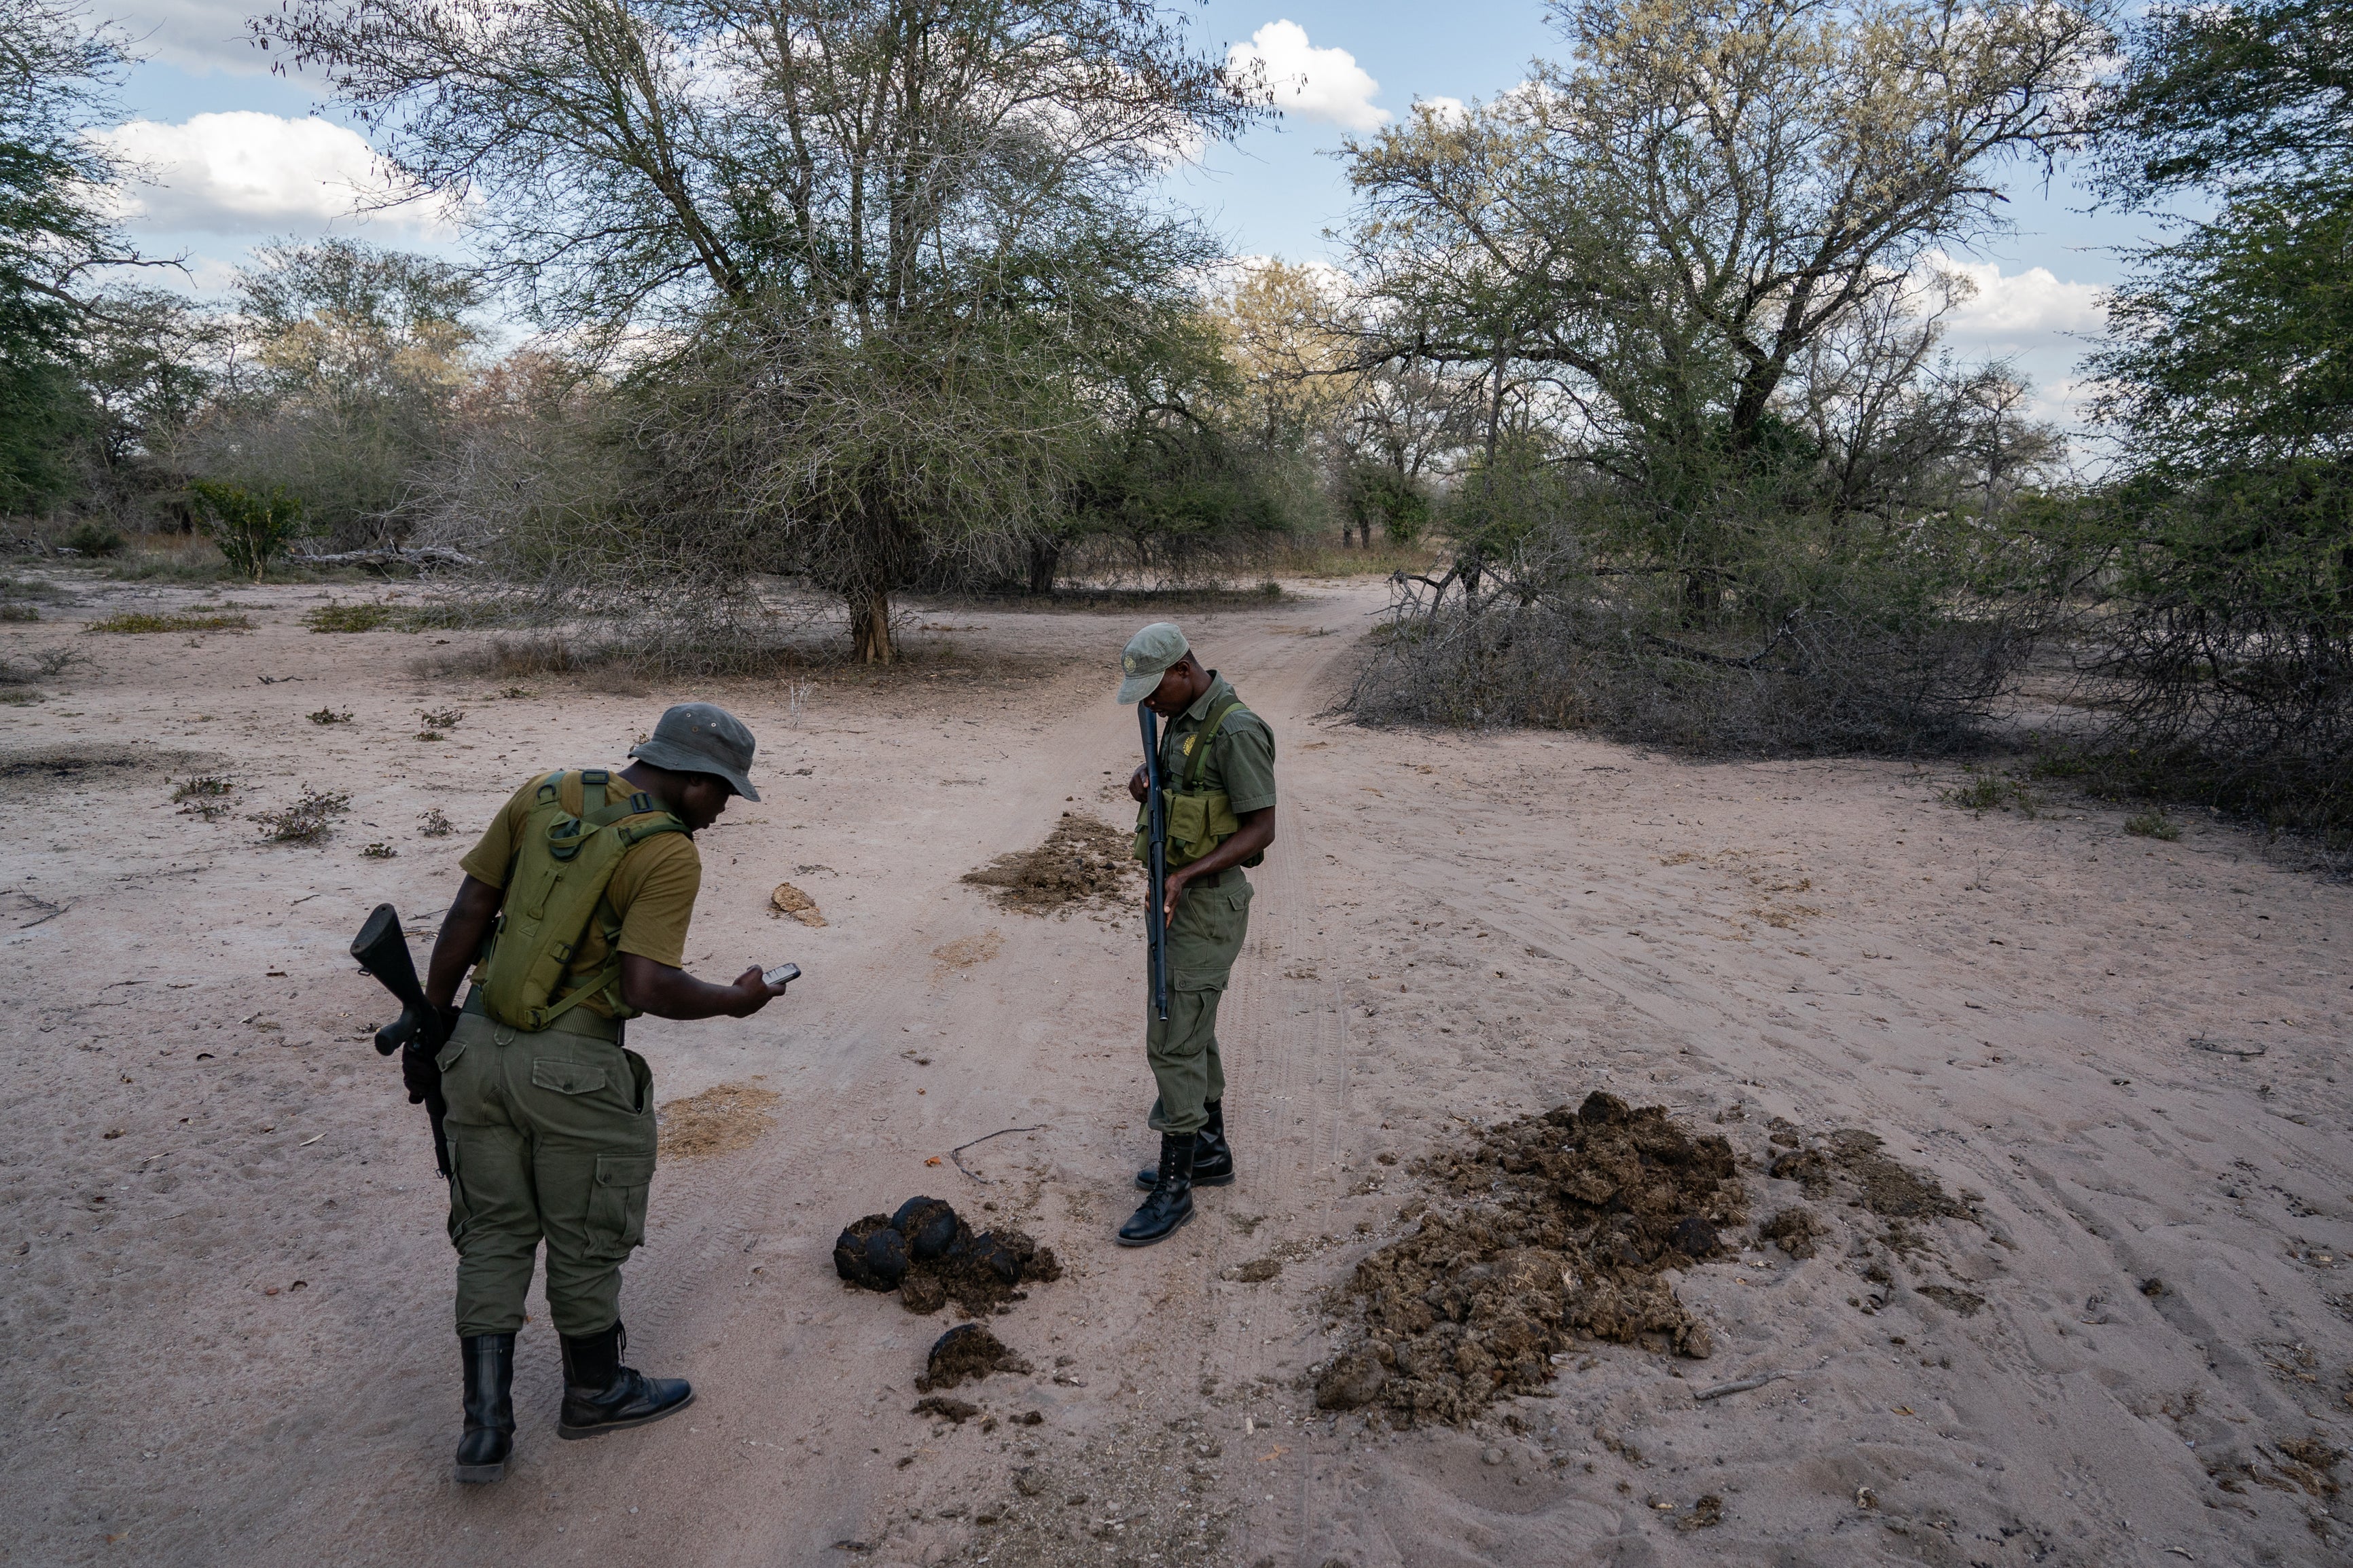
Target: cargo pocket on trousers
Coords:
[(641, 1081), (461, 1213), (617, 1209)]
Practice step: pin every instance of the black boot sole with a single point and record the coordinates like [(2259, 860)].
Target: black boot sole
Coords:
[(575, 1434), (479, 1474), (1155, 1240), (1147, 1179)]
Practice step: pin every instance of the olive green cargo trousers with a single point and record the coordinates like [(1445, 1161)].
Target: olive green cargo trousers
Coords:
[(1205, 936), (551, 1137)]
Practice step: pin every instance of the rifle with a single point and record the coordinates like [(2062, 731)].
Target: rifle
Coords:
[(1156, 915), (382, 948)]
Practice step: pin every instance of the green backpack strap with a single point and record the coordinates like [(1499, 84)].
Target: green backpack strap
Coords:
[(1201, 739), (607, 979)]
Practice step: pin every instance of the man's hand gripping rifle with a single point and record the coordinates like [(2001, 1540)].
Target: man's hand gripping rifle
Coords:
[(1156, 913), (419, 1034)]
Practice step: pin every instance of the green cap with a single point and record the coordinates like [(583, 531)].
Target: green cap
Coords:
[(702, 738), (1148, 655)]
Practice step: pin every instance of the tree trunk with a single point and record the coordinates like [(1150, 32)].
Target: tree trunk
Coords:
[(869, 625), (1045, 565)]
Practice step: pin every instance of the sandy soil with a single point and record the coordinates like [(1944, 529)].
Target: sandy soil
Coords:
[(227, 1287)]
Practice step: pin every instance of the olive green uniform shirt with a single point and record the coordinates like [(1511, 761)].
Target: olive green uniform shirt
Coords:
[(1241, 755), (652, 889)]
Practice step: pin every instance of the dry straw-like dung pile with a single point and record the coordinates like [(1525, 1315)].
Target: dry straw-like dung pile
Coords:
[(1082, 864), (788, 900), (720, 1120), (1568, 1222)]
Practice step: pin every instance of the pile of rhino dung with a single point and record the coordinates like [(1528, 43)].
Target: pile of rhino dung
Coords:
[(1566, 1224), (929, 1257), (1083, 862)]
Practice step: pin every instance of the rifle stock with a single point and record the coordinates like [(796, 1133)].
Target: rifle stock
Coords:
[(382, 948), (1155, 915)]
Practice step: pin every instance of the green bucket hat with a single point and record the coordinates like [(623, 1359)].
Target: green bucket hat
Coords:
[(1148, 655), (702, 738)]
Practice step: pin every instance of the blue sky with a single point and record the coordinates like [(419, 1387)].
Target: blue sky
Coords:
[(243, 156)]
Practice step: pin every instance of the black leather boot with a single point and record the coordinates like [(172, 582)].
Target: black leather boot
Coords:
[(1171, 1203), (490, 1407), (602, 1395), (1213, 1157)]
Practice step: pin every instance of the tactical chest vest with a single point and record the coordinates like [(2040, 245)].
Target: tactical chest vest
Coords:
[(1199, 819), (557, 885)]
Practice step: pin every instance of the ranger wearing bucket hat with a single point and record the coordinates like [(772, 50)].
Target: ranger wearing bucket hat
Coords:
[(573, 917), (1217, 768)]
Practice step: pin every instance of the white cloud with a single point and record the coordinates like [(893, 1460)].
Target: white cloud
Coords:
[(1318, 84), (2024, 311), (241, 171), (1449, 111)]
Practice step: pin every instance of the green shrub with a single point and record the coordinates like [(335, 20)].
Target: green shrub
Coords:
[(310, 819), (93, 539), (1988, 792), (2153, 824), (18, 612), (349, 618), (136, 621), (251, 529)]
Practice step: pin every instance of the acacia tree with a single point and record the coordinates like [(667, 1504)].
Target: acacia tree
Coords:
[(922, 227), (1663, 228), (2229, 385)]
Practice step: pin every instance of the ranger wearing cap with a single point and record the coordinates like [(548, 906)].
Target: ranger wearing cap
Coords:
[(573, 917), (1217, 767)]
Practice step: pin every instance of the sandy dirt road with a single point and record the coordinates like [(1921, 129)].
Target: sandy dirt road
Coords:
[(227, 1306)]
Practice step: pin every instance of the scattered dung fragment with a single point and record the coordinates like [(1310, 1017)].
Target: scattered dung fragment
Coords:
[(719, 1120), (923, 1292), (955, 1410), (1809, 1168), (1967, 1303), (1694, 1237), (1256, 1271), (788, 900), (1706, 1513), (1082, 863), (1890, 1190), (966, 1351), (1352, 1380), (1794, 1230), (1563, 1227), (1887, 1188)]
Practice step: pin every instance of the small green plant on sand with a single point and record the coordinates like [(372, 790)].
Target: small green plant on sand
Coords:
[(18, 612), (379, 852), (201, 796), (93, 539), (309, 820), (136, 622), (350, 617), (435, 824), (329, 716), (1987, 792), (251, 529), (2153, 824)]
